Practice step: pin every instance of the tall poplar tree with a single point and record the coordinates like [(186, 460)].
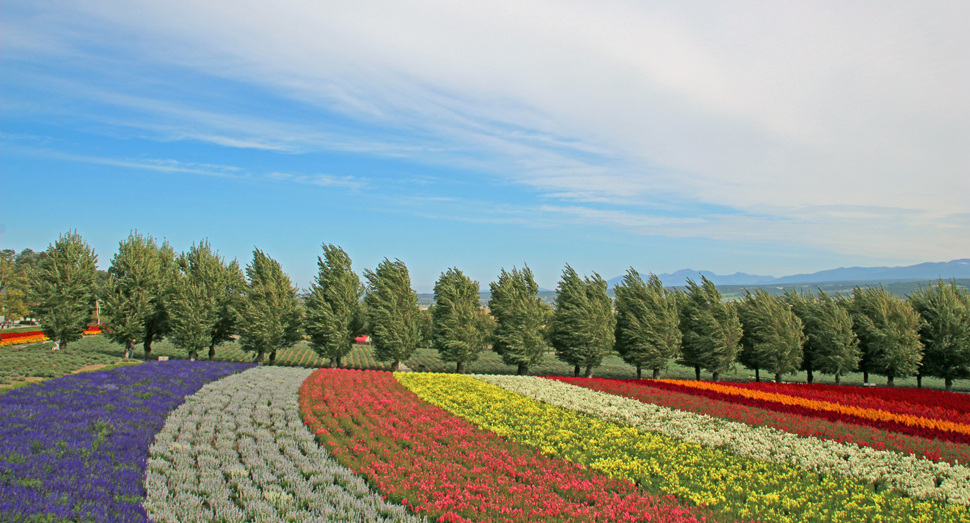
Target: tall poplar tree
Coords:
[(772, 333), (944, 331), (135, 297), (63, 285), (270, 317), (647, 323), (711, 329), (888, 331), (583, 325), (832, 346), (205, 295), (520, 319), (392, 312), (333, 306), (458, 333)]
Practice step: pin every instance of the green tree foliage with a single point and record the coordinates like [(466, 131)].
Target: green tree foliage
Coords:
[(647, 323), (15, 298), (458, 334), (520, 319), (392, 311), (203, 300), (711, 329), (333, 312), (888, 331), (944, 331), (136, 295), (426, 327), (832, 346), (771, 334), (583, 326), (270, 317), (63, 285)]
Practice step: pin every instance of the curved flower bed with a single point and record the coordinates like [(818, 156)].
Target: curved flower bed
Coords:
[(238, 451), (879, 439), (919, 478), (929, 401), (734, 487), (74, 448), (446, 467), (914, 426)]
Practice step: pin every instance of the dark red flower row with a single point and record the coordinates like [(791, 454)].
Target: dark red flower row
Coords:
[(19, 334), (444, 466), (794, 423)]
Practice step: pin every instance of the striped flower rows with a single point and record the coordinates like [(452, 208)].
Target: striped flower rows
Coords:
[(733, 486), (905, 424), (919, 478), (803, 425), (441, 465), (237, 451), (24, 337)]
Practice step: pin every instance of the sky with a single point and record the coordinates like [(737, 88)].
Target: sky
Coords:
[(769, 138)]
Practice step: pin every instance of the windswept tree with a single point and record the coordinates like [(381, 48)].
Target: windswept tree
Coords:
[(333, 312), (583, 325), (392, 311), (270, 316), (771, 334), (944, 331), (459, 333), (202, 304), (832, 346), (647, 323), (888, 331), (520, 319), (135, 297), (711, 329), (63, 285)]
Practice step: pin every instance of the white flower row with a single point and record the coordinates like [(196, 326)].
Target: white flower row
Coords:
[(918, 477), (237, 451)]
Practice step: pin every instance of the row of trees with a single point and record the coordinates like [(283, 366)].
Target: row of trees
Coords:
[(198, 300)]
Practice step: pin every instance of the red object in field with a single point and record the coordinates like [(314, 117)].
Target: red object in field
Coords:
[(362, 339), (19, 334)]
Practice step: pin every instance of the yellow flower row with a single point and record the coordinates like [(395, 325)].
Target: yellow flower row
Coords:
[(733, 486), (784, 399), (24, 340)]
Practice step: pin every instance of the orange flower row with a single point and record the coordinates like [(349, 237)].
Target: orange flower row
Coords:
[(24, 340), (872, 414)]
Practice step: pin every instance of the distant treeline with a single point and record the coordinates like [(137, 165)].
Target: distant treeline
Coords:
[(197, 300)]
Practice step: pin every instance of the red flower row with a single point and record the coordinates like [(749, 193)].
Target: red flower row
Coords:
[(793, 423), (444, 466), (948, 406), (19, 334)]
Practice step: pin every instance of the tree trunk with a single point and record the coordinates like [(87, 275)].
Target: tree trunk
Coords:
[(148, 348), (460, 369), (523, 369), (272, 358), (337, 361), (865, 376), (948, 383), (919, 381), (656, 373), (589, 371), (395, 366), (811, 376), (715, 375), (778, 378), (212, 351), (258, 358), (697, 372), (62, 345), (890, 381), (193, 355), (838, 379), (638, 371), (576, 371), (757, 375)]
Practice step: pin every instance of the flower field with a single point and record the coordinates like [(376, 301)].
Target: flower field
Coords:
[(75, 448), (184, 441)]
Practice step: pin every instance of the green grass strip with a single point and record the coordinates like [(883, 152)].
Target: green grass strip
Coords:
[(734, 487)]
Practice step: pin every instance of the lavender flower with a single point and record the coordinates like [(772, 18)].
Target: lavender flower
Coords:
[(75, 448)]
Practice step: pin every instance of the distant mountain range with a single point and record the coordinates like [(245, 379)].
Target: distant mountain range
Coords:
[(923, 271)]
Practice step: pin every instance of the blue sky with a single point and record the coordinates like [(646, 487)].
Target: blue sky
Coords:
[(768, 138)]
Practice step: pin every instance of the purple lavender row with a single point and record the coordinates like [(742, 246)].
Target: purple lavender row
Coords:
[(75, 448)]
